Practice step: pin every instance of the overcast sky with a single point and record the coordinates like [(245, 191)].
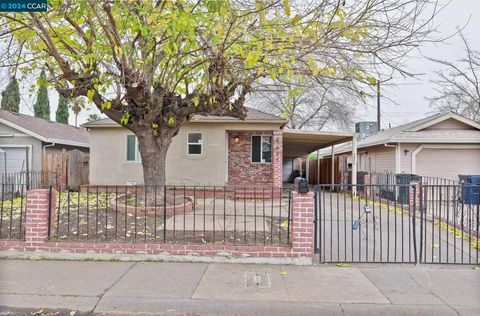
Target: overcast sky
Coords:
[(409, 94)]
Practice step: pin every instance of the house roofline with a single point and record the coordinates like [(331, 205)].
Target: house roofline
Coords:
[(449, 115), (23, 129), (42, 138), (196, 121)]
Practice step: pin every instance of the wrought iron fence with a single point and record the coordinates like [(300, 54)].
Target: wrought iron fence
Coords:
[(30, 179), (12, 211), (428, 223), (173, 214)]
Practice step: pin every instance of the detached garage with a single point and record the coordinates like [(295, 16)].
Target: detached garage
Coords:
[(441, 146)]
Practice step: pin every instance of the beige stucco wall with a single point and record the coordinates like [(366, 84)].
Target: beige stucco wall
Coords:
[(109, 166)]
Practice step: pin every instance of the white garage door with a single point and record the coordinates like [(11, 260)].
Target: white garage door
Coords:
[(16, 160), (448, 163)]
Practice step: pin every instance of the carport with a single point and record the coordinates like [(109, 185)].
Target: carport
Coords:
[(299, 143)]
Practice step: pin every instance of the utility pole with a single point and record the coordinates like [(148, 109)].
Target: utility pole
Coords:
[(378, 105)]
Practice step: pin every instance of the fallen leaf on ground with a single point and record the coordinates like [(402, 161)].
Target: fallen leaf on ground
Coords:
[(283, 273), (344, 265)]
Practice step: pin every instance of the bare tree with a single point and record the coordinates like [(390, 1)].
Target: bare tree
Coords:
[(308, 105), (458, 86)]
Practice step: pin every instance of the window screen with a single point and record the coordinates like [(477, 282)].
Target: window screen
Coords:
[(194, 143), (261, 148), (131, 148)]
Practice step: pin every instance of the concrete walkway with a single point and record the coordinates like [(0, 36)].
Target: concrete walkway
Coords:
[(236, 289)]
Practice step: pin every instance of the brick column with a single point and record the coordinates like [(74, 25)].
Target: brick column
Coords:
[(36, 225), (414, 195), (302, 223), (277, 158)]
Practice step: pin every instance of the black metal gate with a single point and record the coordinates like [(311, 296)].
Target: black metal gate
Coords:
[(387, 224)]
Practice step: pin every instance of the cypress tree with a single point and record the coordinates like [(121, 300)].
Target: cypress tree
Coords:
[(11, 96), (61, 116), (41, 108)]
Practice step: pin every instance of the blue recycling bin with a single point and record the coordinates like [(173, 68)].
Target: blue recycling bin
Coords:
[(471, 192)]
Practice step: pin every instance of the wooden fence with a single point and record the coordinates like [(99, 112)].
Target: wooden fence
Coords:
[(320, 172), (71, 167)]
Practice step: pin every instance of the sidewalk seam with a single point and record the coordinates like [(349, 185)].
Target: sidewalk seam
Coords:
[(375, 286), (114, 283), (199, 281)]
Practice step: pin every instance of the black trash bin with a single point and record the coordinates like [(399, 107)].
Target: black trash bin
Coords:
[(471, 189), (404, 190)]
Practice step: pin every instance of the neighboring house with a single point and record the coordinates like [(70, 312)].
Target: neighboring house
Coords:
[(442, 146), (208, 150), (24, 140)]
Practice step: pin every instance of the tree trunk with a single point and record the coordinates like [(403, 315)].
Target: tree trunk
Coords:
[(153, 150)]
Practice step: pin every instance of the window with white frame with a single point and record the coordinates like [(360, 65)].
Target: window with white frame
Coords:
[(262, 149), (132, 148), (194, 143)]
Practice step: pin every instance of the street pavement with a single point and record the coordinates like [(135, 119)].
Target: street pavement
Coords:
[(163, 288)]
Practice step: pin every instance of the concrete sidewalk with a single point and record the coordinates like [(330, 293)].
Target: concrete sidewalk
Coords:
[(236, 289)]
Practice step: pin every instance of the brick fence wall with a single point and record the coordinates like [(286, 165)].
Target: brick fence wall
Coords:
[(36, 236)]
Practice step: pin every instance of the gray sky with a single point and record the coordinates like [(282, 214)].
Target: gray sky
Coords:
[(410, 94)]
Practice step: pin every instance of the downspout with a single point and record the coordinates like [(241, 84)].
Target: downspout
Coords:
[(398, 166), (45, 147)]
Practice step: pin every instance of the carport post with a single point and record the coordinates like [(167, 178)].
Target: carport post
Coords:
[(354, 165), (332, 186), (307, 167)]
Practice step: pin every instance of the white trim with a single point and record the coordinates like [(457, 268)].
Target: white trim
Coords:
[(471, 140), (23, 129), (42, 138), (442, 118), (138, 157), (261, 148), (354, 165), (201, 145), (30, 152), (333, 168), (422, 147)]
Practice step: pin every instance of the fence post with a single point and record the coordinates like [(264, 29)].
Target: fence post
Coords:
[(302, 223), (414, 205), (366, 189), (36, 212)]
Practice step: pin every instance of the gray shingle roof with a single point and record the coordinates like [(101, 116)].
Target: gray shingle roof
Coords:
[(45, 130), (404, 133), (252, 116)]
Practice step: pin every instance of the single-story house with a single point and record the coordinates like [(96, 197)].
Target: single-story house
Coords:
[(208, 150), (25, 139), (442, 146)]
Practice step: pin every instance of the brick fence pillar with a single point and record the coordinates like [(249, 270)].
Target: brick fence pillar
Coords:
[(414, 195), (36, 212), (302, 223), (277, 158)]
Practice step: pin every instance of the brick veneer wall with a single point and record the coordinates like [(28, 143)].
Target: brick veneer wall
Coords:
[(241, 169), (277, 158), (36, 236)]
